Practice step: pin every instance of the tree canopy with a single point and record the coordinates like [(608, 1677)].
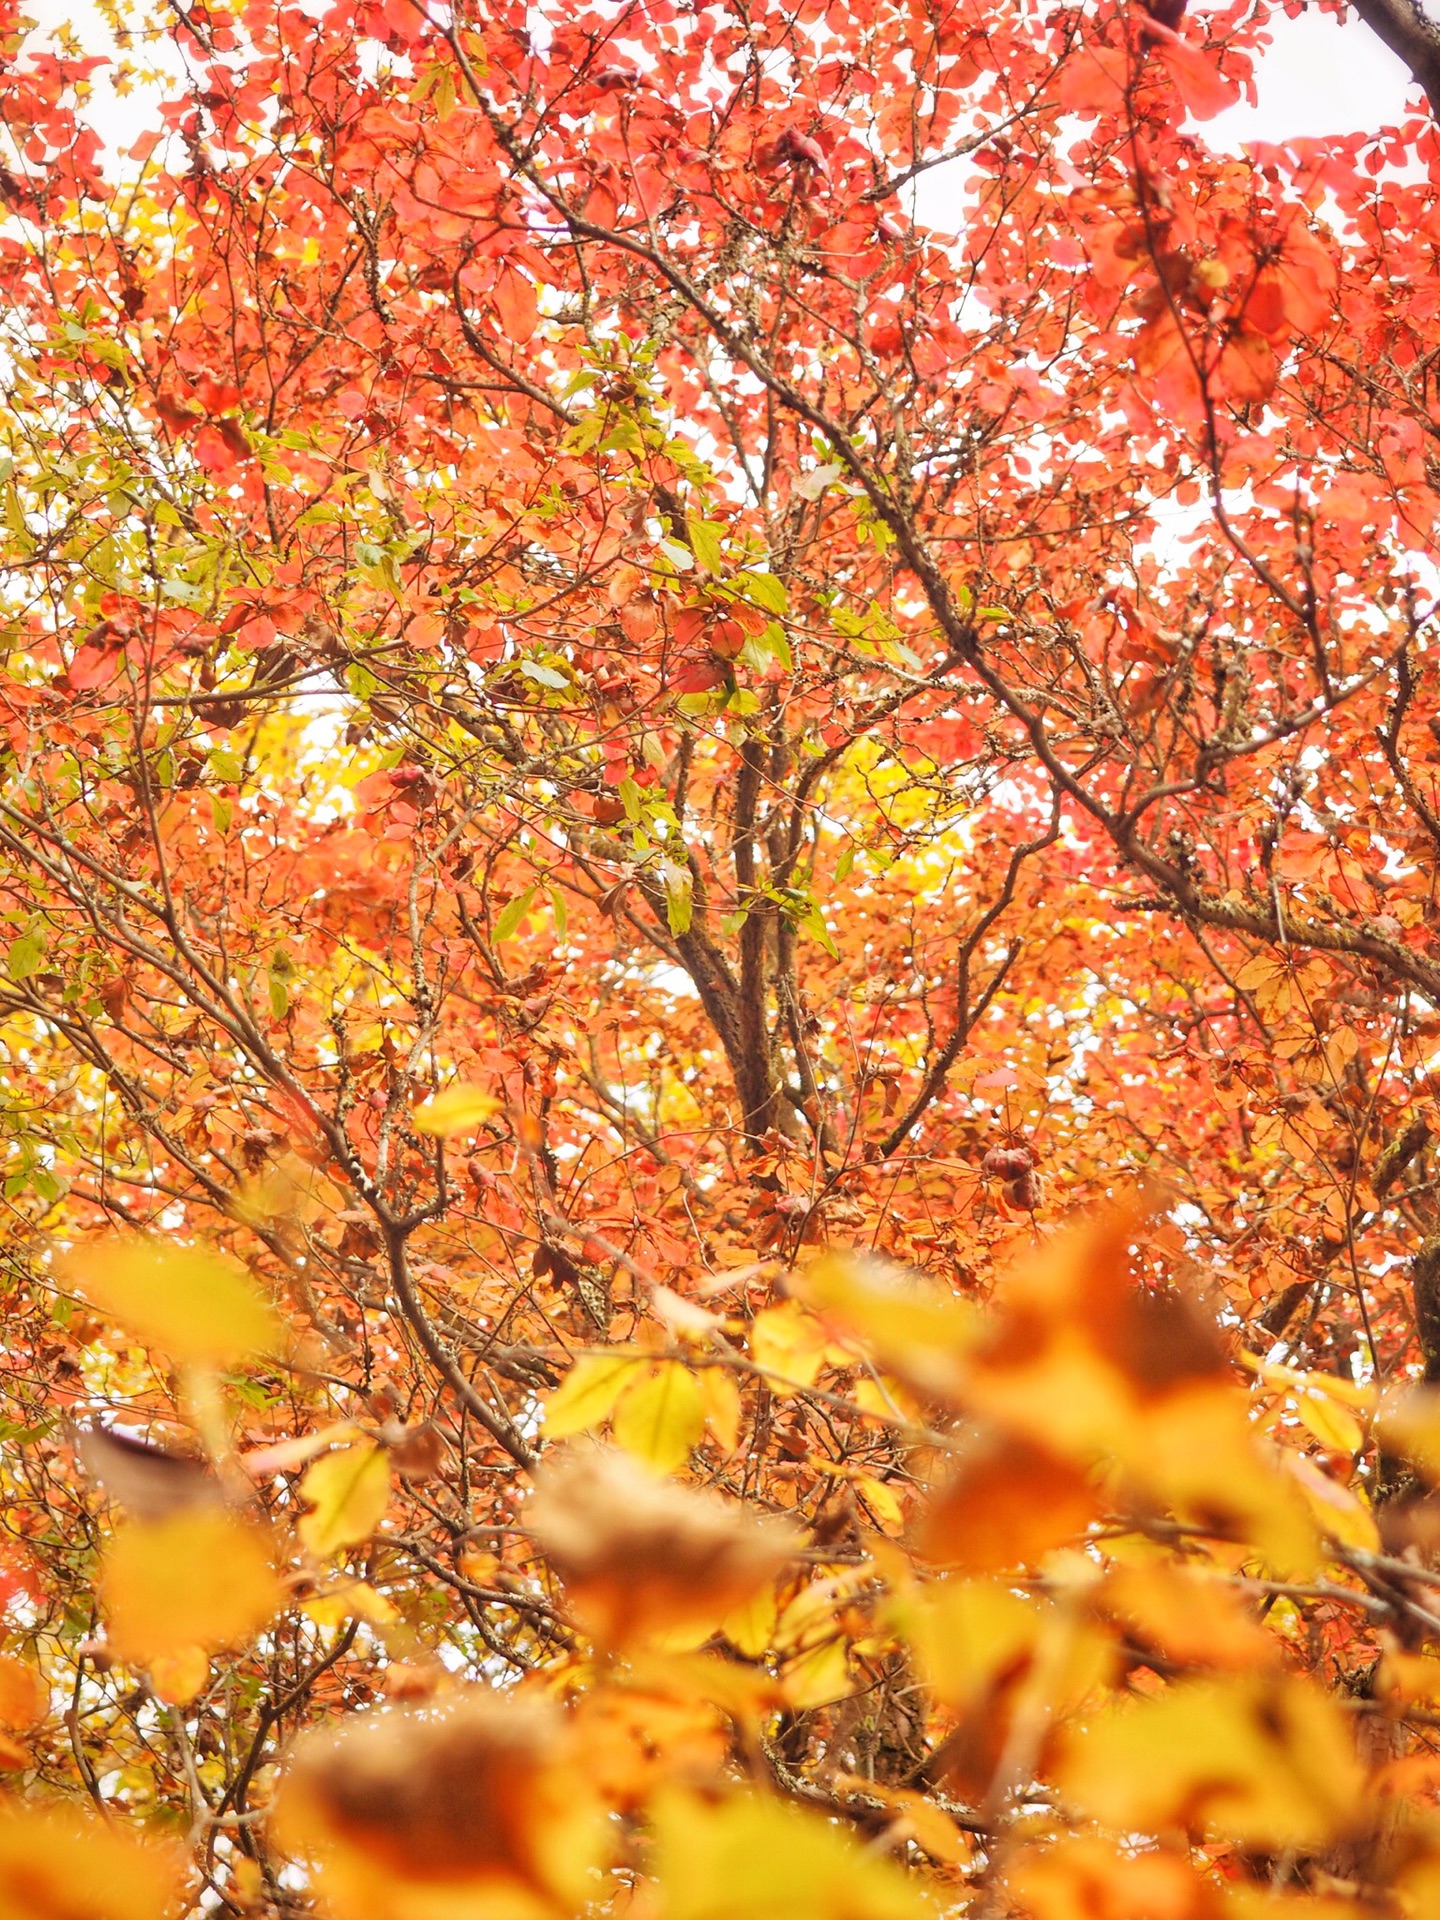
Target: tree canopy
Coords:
[(721, 968)]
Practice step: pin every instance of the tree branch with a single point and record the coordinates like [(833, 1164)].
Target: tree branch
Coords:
[(1409, 32)]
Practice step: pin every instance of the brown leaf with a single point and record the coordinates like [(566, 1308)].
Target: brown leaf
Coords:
[(1008, 1503), (638, 1554), (476, 1793), (150, 1481)]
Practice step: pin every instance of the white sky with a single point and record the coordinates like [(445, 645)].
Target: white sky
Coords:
[(1321, 76)]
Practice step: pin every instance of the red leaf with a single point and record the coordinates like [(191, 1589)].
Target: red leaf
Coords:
[(516, 307), (1199, 83)]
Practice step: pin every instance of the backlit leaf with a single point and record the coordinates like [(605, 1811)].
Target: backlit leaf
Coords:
[(24, 1696), (751, 1858), (199, 1579), (59, 1863), (197, 1306), (507, 921), (349, 1490), (1266, 1761), (660, 1417), (588, 1392), (459, 1109), (789, 1343)]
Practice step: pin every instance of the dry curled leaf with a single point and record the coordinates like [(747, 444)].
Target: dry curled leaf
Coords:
[(639, 1555), (150, 1481), (475, 1800)]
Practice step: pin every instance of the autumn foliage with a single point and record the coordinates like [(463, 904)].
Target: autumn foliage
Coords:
[(721, 971)]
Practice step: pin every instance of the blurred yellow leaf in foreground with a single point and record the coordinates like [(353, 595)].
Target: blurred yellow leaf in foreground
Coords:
[(57, 1863), (201, 1309), (1262, 1759), (200, 1579), (753, 1858)]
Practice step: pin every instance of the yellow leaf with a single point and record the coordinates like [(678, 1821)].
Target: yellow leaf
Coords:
[(349, 1599), (1409, 1424), (1196, 1453), (56, 1861), (790, 1344), (931, 1829), (914, 1327), (24, 1696), (748, 1858), (882, 1501), (588, 1392), (459, 1109), (1333, 1426), (201, 1578), (178, 1677), (1264, 1760), (349, 1490), (916, 1818), (1187, 1615), (367, 1603), (1338, 1511), (660, 1417), (1410, 1676), (202, 1309), (965, 1632), (885, 1399), (818, 1676), (723, 1409), (1290, 1380), (751, 1629)]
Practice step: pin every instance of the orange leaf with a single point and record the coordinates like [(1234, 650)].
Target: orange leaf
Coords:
[(1199, 83), (516, 305)]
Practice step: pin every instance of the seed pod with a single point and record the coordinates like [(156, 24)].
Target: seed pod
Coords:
[(1008, 1163), (1023, 1193)]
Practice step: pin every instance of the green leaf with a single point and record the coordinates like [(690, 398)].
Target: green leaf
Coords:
[(679, 903), (557, 907), (705, 536), (512, 915), (543, 676), (225, 765), (27, 955), (764, 590), (813, 923)]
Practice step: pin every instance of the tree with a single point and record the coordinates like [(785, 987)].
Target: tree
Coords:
[(646, 803)]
